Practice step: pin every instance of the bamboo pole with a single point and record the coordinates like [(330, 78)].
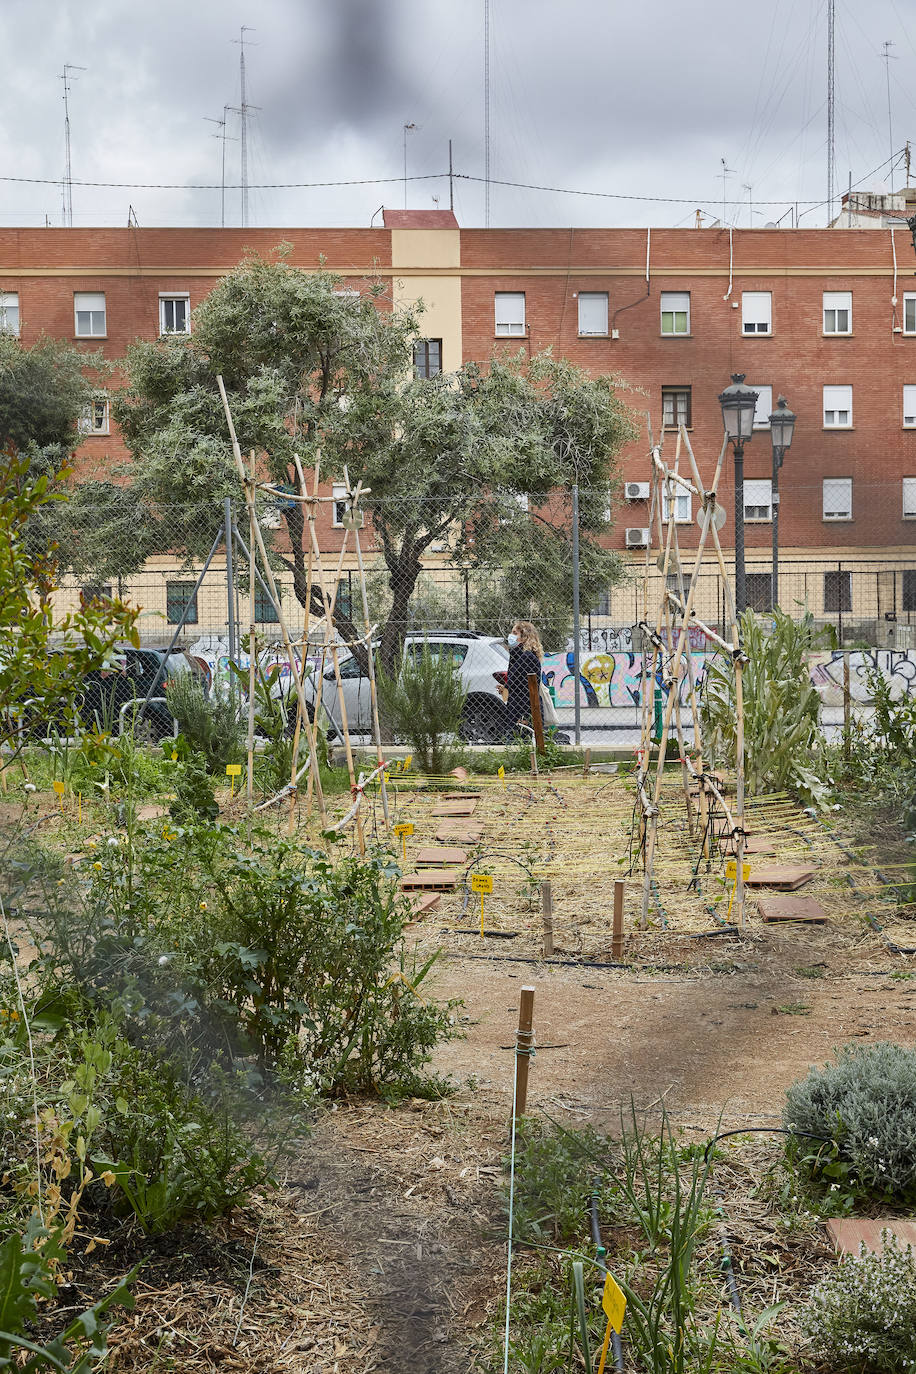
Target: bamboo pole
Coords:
[(373, 688), (268, 570), (252, 645)]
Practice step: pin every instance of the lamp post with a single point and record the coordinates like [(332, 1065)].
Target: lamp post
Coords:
[(782, 427), (738, 404)]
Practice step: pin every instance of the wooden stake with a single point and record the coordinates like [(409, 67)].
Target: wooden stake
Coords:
[(523, 1039), (586, 763), (617, 932), (547, 918), (534, 698)]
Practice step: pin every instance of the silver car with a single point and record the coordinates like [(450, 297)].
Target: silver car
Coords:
[(482, 659)]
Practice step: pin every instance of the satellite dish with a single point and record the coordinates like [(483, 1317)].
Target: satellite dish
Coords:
[(771, 224), (718, 517)]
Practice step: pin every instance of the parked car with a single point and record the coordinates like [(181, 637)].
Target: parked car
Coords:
[(108, 697), (481, 659)]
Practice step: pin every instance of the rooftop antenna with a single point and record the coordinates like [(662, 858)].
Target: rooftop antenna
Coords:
[(222, 135), (750, 204), (451, 176), (888, 58), (725, 173), (242, 110), (408, 128), (486, 113), (68, 182), (831, 102)]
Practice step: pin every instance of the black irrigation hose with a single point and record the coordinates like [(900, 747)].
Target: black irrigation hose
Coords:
[(616, 1343), (767, 1130)]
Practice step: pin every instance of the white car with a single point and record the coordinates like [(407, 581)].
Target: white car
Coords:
[(482, 659)]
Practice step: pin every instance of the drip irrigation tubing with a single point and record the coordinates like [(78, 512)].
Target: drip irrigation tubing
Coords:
[(616, 1343)]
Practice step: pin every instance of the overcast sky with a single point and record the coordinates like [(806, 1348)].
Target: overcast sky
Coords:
[(638, 100)]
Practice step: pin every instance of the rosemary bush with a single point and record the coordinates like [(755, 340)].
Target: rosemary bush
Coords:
[(423, 705), (863, 1103), (862, 1319), (210, 724)]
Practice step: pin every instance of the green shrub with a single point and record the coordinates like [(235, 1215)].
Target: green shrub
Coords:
[(423, 706), (862, 1319), (211, 725), (863, 1103), (784, 747)]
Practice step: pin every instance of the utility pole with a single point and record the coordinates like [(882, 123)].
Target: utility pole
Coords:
[(242, 110), (68, 181), (831, 102)]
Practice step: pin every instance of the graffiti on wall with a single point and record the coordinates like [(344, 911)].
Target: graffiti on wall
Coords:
[(896, 666)]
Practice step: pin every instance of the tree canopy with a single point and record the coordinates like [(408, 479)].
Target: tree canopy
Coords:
[(313, 369)]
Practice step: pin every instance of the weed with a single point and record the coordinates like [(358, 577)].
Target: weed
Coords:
[(794, 1009), (810, 971)]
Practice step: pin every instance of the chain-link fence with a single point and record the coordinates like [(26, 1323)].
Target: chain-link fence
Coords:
[(201, 605)]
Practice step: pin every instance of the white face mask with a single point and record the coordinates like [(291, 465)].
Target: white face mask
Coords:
[(511, 640)]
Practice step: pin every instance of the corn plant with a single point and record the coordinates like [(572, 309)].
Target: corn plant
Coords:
[(784, 748)]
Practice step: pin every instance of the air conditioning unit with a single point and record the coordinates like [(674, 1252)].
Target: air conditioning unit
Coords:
[(636, 538), (636, 491)]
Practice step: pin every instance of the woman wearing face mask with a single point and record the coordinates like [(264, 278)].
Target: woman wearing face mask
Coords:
[(525, 654)]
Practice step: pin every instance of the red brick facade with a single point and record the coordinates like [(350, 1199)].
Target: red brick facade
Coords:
[(877, 358)]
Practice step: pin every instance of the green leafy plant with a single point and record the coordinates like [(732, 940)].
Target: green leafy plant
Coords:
[(211, 724), (784, 748), (423, 705), (862, 1318), (862, 1104), (29, 1264)]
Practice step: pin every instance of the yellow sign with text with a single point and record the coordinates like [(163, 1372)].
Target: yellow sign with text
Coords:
[(482, 883), (614, 1303), (731, 870), (233, 770), (405, 829)]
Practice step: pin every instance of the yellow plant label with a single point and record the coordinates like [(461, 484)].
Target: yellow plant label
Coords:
[(731, 870), (614, 1303), (233, 770), (407, 762), (58, 788), (482, 882), (501, 772), (405, 829), (387, 776)]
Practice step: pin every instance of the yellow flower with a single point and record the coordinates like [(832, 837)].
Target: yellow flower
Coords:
[(203, 906), (97, 865)]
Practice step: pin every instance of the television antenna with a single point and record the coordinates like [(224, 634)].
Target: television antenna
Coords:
[(66, 78)]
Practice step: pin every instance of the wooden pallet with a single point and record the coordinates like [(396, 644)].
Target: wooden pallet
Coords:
[(451, 831), (462, 796), (456, 808), (433, 880), (780, 910), (436, 857), (753, 844), (785, 877)]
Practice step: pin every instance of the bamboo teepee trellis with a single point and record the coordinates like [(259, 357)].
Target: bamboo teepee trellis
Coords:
[(664, 660)]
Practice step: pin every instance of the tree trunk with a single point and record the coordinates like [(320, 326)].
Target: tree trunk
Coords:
[(296, 526), (402, 579)]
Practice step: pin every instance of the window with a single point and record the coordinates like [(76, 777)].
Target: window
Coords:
[(909, 498), (455, 653), (681, 503), (265, 612), (340, 506), (837, 312), (593, 312), (343, 598), (756, 312), (837, 407), (909, 407), (174, 314), (764, 407), (908, 599), (837, 591), (676, 407), (9, 312), (909, 312), (758, 590), (95, 592), (427, 358), (837, 498), (178, 596), (94, 419), (89, 314), (349, 667), (510, 312), (758, 499), (675, 312)]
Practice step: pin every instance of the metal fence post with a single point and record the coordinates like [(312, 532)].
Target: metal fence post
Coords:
[(575, 609)]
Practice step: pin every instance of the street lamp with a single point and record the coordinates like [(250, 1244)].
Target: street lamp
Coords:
[(738, 404), (782, 427)]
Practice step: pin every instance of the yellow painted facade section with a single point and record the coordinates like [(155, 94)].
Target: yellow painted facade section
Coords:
[(439, 252)]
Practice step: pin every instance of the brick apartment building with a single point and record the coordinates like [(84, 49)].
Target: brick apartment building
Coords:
[(825, 317)]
